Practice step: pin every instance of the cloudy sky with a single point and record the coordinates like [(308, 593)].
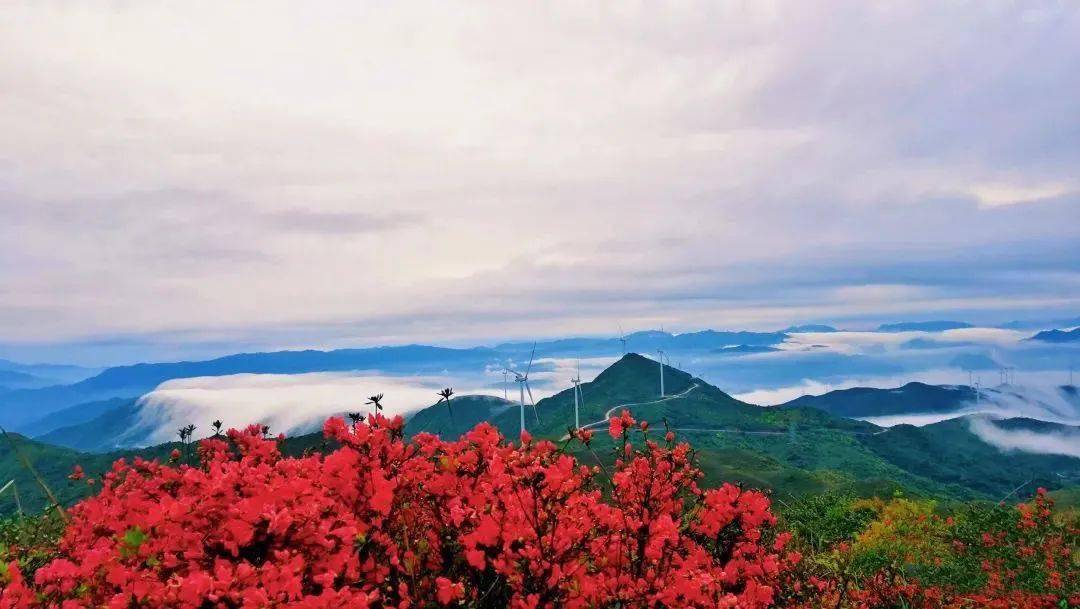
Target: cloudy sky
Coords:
[(194, 178)]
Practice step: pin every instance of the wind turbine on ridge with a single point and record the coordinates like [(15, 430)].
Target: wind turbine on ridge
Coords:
[(623, 338), (523, 385), (660, 352), (577, 396)]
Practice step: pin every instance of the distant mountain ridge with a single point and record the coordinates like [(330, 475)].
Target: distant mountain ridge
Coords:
[(924, 326), (1058, 336), (810, 328), (913, 397)]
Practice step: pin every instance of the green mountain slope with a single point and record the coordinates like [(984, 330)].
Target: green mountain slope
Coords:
[(114, 429), (54, 464), (460, 415), (950, 453), (73, 415), (633, 383)]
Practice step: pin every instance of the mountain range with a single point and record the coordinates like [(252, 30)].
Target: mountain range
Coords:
[(38, 409), (38, 398), (794, 449)]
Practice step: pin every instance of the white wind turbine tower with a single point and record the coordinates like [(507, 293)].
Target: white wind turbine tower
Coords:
[(623, 338), (577, 396), (523, 385), (661, 353)]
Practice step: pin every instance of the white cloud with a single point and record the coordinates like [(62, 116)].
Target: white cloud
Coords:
[(288, 403), (1006, 194), (391, 172), (1053, 443)]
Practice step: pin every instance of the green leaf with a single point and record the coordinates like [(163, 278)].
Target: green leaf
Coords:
[(131, 541)]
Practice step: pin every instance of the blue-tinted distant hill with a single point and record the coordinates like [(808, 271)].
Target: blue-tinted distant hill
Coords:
[(1058, 336), (74, 415), (872, 402), (11, 379), (923, 326), (810, 328), (974, 361), (48, 374), (115, 428), (645, 342), (1033, 324)]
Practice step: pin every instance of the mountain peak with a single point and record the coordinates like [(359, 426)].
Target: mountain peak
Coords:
[(640, 366), (1058, 336)]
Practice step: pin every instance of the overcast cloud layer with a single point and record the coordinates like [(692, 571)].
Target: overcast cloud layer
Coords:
[(277, 174)]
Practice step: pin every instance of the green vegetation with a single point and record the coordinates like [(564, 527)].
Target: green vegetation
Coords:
[(461, 414), (99, 434), (951, 454)]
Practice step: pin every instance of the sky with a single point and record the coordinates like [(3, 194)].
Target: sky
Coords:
[(187, 179)]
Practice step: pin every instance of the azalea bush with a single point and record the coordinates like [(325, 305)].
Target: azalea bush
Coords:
[(913, 555), (384, 522), (373, 520), (29, 541)]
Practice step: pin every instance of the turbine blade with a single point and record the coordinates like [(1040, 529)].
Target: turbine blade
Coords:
[(532, 401), (531, 356)]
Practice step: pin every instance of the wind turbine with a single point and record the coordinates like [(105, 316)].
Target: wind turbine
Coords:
[(661, 353), (623, 338), (577, 396), (523, 385)]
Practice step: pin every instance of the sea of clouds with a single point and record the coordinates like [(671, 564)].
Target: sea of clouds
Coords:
[(806, 364), (299, 403)]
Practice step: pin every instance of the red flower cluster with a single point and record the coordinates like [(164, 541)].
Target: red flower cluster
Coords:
[(381, 522)]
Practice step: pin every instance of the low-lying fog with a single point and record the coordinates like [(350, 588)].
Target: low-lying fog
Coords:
[(806, 364), (298, 403)]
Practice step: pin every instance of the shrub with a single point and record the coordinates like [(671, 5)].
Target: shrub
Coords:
[(980, 556), (381, 522)]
